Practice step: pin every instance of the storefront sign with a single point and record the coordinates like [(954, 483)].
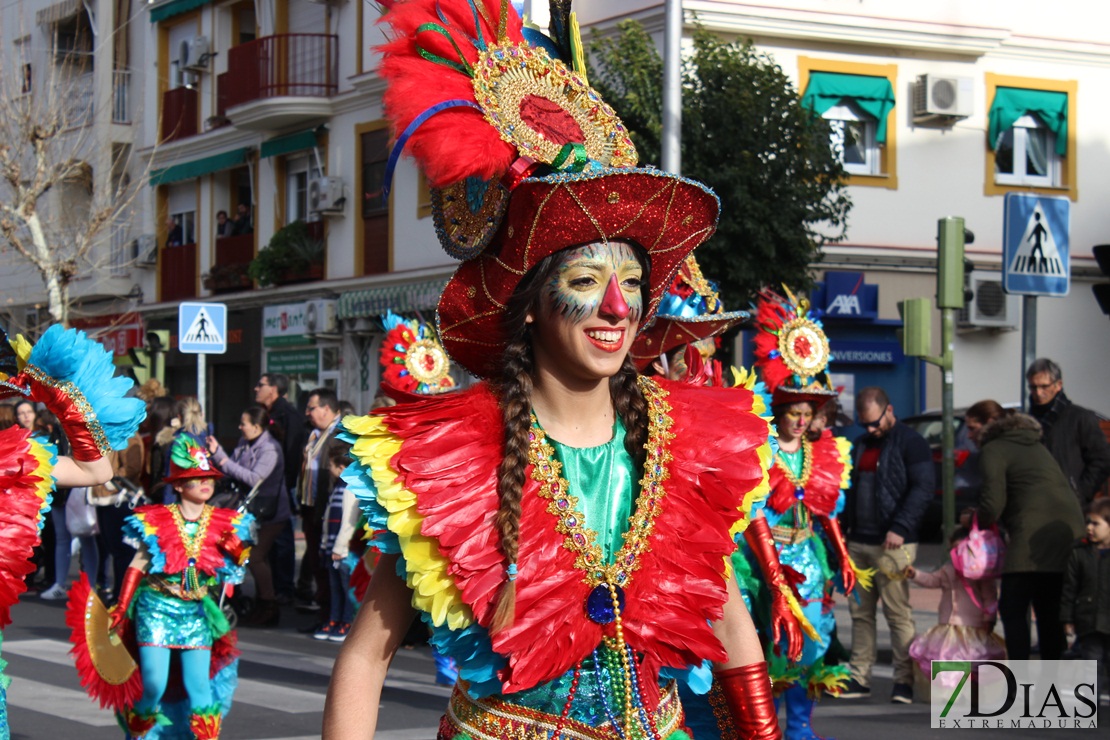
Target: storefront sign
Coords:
[(117, 332), (866, 352), (293, 361), (284, 324), (844, 295)]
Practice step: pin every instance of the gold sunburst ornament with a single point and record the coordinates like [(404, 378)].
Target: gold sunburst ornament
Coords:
[(803, 346), (540, 106)]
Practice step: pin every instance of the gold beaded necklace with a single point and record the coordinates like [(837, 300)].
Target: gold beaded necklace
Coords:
[(192, 544), (807, 465)]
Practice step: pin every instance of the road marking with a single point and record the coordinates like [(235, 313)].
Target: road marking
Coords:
[(48, 699)]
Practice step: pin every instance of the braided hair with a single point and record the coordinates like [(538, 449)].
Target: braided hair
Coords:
[(515, 391)]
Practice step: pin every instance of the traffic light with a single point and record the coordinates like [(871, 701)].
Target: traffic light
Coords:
[(917, 326), (1102, 290), (952, 266)]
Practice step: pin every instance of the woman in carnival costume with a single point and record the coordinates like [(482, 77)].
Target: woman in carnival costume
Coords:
[(187, 551), (564, 527), (807, 482), (73, 377)]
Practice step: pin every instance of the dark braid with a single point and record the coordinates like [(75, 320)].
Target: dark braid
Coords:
[(631, 407), (516, 412)]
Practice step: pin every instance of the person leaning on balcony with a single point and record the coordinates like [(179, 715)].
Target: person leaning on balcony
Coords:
[(224, 225), (174, 235), (242, 223)]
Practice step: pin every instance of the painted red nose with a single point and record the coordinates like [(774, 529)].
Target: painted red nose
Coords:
[(613, 303)]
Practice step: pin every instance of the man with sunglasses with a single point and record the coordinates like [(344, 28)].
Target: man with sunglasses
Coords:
[(892, 483), (1071, 432)]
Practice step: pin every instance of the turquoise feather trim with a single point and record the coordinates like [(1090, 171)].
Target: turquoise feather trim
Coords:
[(361, 484), (134, 530), (69, 355)]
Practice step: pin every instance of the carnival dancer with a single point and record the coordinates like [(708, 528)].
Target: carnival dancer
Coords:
[(72, 376), (564, 528), (168, 604), (807, 482)]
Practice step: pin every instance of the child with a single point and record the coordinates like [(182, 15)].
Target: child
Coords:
[(965, 616), (340, 524), (1085, 602)]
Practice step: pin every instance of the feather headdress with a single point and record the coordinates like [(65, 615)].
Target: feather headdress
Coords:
[(791, 350)]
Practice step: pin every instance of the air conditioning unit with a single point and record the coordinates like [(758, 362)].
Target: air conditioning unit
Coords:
[(990, 306), (146, 250), (194, 54), (320, 317), (941, 96), (325, 195)]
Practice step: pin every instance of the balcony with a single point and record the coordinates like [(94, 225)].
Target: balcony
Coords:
[(233, 257), (79, 101), (178, 273), (179, 114), (280, 81)]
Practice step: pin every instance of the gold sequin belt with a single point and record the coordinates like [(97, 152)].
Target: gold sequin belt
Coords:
[(495, 719), (170, 588), (791, 535)]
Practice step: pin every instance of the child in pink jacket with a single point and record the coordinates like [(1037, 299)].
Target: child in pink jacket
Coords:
[(965, 618)]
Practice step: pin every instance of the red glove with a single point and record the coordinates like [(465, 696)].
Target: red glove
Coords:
[(118, 613), (783, 621), (235, 548), (836, 539), (747, 691)]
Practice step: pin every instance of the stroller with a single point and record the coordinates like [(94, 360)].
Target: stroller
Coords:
[(232, 601)]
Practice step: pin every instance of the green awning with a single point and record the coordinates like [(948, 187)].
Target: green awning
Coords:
[(873, 95), (279, 145), (397, 298), (1011, 103), (174, 7), (199, 167)]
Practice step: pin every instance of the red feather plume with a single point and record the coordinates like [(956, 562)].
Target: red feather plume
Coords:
[(22, 478), (458, 142), (771, 316), (117, 697)]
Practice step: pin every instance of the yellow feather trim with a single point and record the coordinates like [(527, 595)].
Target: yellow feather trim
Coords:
[(844, 448), (799, 615), (433, 589), (45, 467), (864, 576), (828, 683)]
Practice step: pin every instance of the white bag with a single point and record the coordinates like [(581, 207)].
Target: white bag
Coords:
[(80, 514)]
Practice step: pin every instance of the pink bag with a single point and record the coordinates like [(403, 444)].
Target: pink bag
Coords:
[(981, 555)]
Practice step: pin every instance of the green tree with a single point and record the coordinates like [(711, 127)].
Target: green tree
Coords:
[(747, 136)]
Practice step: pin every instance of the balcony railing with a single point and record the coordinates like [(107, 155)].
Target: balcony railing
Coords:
[(286, 65), (121, 96), (179, 272), (179, 113), (233, 258)]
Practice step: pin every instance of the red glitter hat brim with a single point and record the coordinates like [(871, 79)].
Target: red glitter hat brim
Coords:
[(669, 332), (667, 215)]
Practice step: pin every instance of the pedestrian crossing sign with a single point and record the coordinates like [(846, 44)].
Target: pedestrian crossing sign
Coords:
[(202, 328), (1035, 245)]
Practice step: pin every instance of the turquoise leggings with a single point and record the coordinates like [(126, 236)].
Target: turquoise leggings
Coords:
[(154, 662)]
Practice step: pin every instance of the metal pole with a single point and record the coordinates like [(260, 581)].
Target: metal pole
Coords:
[(1028, 342), (948, 438), (672, 88), (202, 384)]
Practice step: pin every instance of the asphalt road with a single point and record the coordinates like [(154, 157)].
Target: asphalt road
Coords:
[(283, 679)]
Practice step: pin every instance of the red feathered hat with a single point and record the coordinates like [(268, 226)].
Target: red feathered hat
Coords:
[(791, 351), (525, 160)]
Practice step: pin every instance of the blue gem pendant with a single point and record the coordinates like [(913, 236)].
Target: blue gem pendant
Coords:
[(599, 604)]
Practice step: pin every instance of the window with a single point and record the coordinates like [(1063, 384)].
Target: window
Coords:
[(299, 171), (374, 206), (853, 137), (23, 54), (181, 229), (857, 101), (1028, 135)]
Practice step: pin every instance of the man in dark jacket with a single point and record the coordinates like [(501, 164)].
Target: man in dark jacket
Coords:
[(270, 391), (892, 483), (1071, 433)]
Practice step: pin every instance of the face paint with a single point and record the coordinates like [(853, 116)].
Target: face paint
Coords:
[(592, 278)]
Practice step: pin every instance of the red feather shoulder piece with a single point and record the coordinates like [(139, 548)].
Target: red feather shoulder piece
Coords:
[(158, 524), (828, 471), (25, 484)]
